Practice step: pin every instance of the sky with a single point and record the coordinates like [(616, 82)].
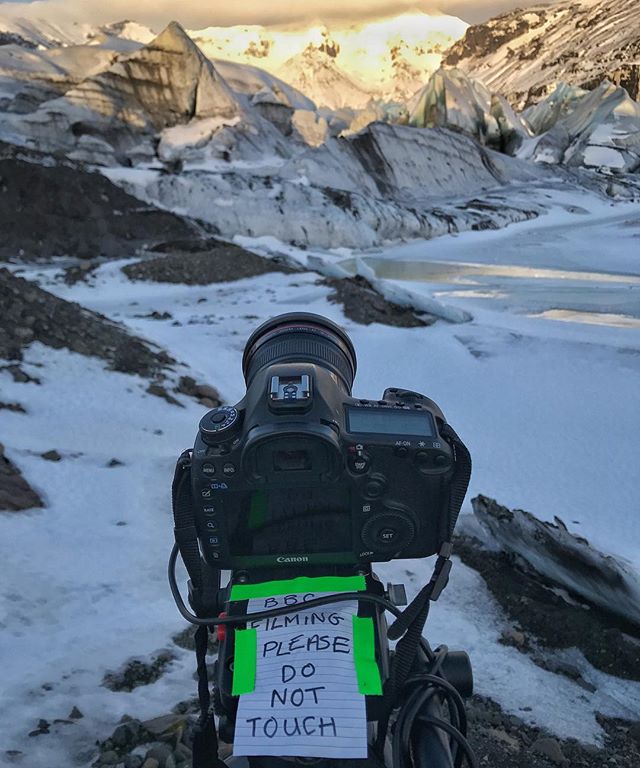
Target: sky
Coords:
[(202, 13)]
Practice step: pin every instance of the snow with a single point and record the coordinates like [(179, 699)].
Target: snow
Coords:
[(596, 156), (555, 47), (177, 141), (550, 410)]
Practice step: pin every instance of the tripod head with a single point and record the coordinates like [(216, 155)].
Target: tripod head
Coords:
[(428, 723)]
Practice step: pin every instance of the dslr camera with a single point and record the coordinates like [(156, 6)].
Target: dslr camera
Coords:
[(301, 473)]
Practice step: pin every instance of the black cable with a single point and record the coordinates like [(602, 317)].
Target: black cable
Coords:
[(449, 689), (431, 684), (410, 712), (461, 740), (339, 597)]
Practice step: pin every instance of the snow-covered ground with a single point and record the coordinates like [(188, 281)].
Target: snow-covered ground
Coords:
[(550, 410)]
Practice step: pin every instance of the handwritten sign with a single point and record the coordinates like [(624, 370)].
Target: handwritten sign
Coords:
[(304, 696)]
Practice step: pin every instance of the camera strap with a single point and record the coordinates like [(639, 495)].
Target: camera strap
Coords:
[(410, 624), (205, 737)]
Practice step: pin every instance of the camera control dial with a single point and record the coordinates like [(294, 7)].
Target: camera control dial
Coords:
[(388, 531), (219, 424)]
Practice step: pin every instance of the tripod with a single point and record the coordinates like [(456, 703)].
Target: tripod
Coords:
[(419, 720)]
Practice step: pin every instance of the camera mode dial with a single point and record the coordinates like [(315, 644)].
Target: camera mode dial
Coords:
[(219, 424), (388, 531)]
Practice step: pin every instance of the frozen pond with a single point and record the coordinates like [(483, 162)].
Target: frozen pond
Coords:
[(585, 269)]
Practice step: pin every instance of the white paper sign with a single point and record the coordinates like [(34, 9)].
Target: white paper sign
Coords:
[(306, 700)]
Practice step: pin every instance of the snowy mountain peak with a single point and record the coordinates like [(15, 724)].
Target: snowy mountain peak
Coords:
[(129, 30), (524, 53), (315, 71), (174, 39), (390, 57)]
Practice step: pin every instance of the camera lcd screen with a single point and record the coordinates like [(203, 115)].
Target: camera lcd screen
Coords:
[(390, 422), (292, 520)]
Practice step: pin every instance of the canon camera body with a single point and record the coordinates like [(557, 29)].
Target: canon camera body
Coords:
[(299, 472)]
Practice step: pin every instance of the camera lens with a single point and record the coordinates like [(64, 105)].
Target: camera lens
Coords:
[(300, 337)]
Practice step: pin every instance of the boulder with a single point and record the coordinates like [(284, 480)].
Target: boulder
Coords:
[(15, 492)]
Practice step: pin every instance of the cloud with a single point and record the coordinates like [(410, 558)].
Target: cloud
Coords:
[(195, 14)]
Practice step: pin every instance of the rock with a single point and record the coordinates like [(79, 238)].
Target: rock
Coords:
[(150, 763), (182, 754), (15, 492), (115, 463), (138, 672), (77, 329), (52, 210), (75, 714), (549, 747), (549, 618), (363, 304), (509, 741), (52, 455), (513, 637), (109, 758), (219, 262), (634, 733), (159, 391), (14, 407), (125, 734), (42, 728), (166, 724), (205, 392), (162, 754), (563, 558), (133, 761)]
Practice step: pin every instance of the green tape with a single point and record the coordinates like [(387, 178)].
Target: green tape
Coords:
[(298, 586), (244, 661), (364, 652)]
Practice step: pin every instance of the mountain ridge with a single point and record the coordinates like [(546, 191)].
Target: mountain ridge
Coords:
[(524, 53)]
